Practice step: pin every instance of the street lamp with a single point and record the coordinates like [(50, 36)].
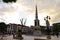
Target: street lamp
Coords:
[(48, 26)]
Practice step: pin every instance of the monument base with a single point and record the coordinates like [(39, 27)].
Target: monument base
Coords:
[(17, 37), (48, 37), (37, 33)]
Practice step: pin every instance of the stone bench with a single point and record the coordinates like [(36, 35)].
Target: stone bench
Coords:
[(40, 39)]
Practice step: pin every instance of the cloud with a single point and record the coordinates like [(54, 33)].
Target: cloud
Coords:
[(26, 8), (10, 11), (49, 7), (6, 7)]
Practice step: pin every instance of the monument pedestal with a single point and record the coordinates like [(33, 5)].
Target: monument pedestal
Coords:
[(48, 37), (37, 33), (18, 36)]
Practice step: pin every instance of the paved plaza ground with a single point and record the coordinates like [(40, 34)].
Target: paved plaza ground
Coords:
[(25, 37)]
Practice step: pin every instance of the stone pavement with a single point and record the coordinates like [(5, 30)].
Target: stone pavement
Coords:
[(25, 37)]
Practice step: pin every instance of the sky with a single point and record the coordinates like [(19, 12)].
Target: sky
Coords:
[(13, 12)]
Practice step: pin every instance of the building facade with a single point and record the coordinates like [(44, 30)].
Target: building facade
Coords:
[(11, 28)]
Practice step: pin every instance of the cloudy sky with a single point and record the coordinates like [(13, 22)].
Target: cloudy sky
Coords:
[(13, 12)]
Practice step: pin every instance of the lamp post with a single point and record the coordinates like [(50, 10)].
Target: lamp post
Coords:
[(48, 26)]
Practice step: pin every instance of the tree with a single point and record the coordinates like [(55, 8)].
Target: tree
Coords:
[(6, 1), (56, 29), (3, 27)]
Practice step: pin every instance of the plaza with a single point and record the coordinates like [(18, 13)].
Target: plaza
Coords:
[(27, 37)]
